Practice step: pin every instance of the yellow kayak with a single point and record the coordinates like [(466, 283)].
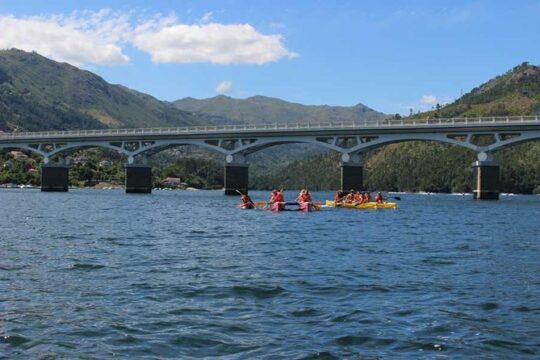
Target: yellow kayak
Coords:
[(369, 205)]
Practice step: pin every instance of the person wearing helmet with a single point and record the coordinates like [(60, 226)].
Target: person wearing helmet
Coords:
[(379, 198)]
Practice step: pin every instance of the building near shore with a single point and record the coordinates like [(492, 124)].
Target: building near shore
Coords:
[(18, 155), (173, 182)]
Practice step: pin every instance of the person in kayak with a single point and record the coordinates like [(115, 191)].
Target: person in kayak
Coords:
[(277, 196), (349, 199), (304, 196), (366, 197), (379, 198), (246, 203), (358, 197), (340, 197)]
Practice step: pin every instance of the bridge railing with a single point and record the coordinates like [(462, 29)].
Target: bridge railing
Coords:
[(375, 124)]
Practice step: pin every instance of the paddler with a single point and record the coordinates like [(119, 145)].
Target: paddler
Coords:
[(338, 199), (379, 198), (349, 199), (366, 197), (277, 196), (358, 197), (304, 196), (246, 203)]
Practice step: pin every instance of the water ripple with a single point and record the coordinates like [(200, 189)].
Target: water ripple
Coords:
[(167, 276)]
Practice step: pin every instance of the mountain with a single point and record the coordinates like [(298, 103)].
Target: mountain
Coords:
[(37, 93), (267, 110), (517, 92), (433, 166)]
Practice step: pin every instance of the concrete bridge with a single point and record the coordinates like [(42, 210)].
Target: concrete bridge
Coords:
[(483, 135)]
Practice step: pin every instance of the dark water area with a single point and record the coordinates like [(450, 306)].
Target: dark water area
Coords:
[(178, 274)]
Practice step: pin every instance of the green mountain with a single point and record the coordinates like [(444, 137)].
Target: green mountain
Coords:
[(433, 166), (516, 92), (37, 93), (267, 110)]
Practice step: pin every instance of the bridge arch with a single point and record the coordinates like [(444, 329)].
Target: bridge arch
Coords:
[(161, 145), (399, 138), (265, 143), (22, 147), (378, 141), (501, 144)]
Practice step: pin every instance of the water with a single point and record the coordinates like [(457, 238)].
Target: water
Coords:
[(178, 274)]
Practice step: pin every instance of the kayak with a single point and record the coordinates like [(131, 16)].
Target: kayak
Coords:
[(369, 205), (277, 206), (305, 206), (302, 206), (247, 206)]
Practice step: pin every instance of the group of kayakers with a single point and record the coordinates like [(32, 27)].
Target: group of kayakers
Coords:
[(276, 196), (342, 197), (356, 197)]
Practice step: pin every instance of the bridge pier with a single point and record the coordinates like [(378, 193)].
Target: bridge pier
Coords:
[(236, 177), (138, 179), (54, 177), (486, 178), (352, 172)]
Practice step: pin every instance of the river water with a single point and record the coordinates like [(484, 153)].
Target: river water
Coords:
[(179, 274)]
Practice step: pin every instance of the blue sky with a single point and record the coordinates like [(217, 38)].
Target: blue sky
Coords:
[(389, 55)]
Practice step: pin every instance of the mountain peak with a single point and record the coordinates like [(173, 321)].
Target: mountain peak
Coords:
[(222, 97), (261, 109)]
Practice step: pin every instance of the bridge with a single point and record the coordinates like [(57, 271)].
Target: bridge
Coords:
[(484, 135)]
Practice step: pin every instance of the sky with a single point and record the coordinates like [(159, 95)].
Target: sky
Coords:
[(392, 56)]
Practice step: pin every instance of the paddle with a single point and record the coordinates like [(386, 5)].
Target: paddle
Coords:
[(393, 197)]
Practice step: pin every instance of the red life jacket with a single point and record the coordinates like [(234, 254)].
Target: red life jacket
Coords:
[(277, 197)]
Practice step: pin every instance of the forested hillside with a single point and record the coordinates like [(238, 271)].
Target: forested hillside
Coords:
[(37, 93), (436, 167)]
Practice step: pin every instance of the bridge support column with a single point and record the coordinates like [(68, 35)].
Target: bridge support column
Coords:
[(486, 178), (54, 177), (236, 174), (138, 179), (352, 172), (236, 178)]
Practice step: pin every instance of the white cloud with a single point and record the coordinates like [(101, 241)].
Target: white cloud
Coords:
[(207, 17), (224, 87), (91, 39), (429, 100), (213, 43), (100, 37)]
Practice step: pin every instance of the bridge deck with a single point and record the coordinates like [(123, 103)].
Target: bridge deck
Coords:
[(454, 125)]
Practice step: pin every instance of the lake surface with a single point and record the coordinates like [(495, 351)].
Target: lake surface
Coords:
[(179, 274)]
